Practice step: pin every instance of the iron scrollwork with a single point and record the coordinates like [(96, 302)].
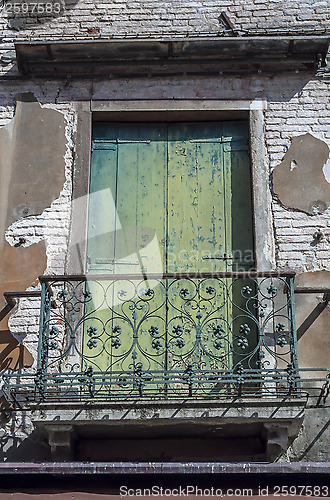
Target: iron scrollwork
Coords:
[(168, 337)]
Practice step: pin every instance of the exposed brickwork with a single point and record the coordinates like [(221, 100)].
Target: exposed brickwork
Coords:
[(149, 17), (297, 104)]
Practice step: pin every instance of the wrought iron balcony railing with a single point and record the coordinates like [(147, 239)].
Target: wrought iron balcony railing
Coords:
[(215, 336)]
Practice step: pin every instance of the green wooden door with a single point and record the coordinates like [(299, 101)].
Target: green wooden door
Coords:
[(164, 198)]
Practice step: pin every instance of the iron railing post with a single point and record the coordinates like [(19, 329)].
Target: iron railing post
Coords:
[(294, 376), (42, 360)]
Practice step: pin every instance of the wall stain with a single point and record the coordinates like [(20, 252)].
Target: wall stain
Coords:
[(32, 174), (299, 180)]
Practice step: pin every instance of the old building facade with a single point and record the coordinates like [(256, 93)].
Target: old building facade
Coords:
[(177, 148)]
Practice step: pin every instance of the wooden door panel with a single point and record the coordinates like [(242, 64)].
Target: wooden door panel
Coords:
[(180, 202), (121, 310)]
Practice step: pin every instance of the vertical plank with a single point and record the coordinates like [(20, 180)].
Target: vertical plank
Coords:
[(102, 220), (211, 200), (239, 226), (141, 208), (182, 195), (141, 198), (196, 197)]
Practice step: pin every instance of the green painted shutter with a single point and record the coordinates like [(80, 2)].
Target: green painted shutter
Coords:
[(128, 164), (186, 185), (164, 198)]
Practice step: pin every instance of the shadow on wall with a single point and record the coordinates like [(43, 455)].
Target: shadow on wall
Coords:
[(19, 269), (17, 442), (13, 355), (313, 442)]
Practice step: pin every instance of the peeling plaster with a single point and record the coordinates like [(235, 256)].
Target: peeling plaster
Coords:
[(32, 174), (30, 158), (313, 319), (300, 180)]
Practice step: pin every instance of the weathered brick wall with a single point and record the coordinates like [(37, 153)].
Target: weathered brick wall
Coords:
[(295, 106), (180, 17)]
